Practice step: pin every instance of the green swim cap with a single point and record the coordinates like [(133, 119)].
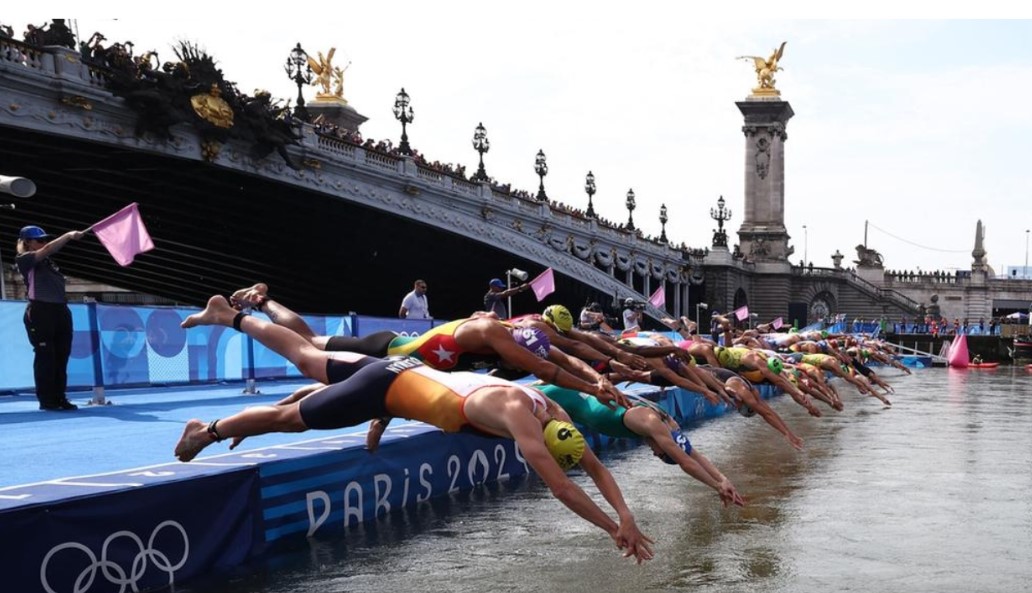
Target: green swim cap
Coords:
[(824, 334), (775, 365)]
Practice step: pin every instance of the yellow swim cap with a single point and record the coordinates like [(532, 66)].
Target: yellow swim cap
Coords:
[(558, 317), (565, 443)]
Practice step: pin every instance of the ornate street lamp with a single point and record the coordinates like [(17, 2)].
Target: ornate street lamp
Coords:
[(403, 113), (630, 209), (300, 72), (589, 187), (663, 220), (721, 215), (481, 144), (541, 168)]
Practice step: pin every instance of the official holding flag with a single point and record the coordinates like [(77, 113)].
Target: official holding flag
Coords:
[(48, 320)]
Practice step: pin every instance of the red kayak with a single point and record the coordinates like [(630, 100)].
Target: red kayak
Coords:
[(985, 365)]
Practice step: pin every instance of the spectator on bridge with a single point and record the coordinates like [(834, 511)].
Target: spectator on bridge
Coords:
[(415, 305), (48, 321)]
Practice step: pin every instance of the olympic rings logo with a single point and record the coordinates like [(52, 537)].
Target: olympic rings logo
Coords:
[(114, 573)]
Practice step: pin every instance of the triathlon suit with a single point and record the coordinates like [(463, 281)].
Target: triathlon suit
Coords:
[(590, 412), (401, 387), (816, 360), (436, 347), (731, 358)]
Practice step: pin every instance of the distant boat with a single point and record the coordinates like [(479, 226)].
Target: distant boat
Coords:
[(1022, 349), (983, 365)]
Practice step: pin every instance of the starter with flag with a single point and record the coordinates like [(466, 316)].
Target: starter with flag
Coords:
[(124, 235)]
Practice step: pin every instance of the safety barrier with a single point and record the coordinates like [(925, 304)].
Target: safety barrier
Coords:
[(129, 346)]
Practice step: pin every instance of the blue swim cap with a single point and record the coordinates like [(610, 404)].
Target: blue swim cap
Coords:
[(532, 339), (682, 442)]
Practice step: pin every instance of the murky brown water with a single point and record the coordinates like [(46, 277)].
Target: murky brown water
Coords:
[(931, 495)]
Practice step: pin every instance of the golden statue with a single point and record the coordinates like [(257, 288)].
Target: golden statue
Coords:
[(765, 69), (327, 76)]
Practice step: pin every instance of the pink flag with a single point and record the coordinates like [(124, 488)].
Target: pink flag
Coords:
[(777, 323), (543, 285), (658, 298), (742, 313), (124, 235)]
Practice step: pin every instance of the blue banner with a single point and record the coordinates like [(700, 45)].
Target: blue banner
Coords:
[(327, 492), (127, 346), (135, 540)]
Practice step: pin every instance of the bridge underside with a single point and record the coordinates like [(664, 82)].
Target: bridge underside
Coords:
[(216, 230)]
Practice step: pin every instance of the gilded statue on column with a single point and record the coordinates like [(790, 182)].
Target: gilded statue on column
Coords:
[(765, 69), (327, 76)]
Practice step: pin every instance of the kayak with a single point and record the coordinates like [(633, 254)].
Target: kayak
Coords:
[(984, 365)]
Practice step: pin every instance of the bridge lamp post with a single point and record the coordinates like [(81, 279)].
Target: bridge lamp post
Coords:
[(1026, 254), (541, 168), (403, 113), (481, 144), (630, 209), (698, 319), (300, 72), (18, 187), (806, 246), (663, 220), (589, 188)]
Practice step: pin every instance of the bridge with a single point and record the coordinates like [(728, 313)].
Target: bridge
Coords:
[(350, 228)]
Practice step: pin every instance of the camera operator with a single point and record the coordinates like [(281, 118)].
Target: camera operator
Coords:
[(632, 314)]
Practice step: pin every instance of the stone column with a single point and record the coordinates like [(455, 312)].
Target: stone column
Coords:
[(763, 236)]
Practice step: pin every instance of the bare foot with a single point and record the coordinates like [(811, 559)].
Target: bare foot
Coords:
[(376, 429), (195, 438), (250, 296), (218, 312)]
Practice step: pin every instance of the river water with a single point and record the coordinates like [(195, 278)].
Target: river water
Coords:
[(931, 495)]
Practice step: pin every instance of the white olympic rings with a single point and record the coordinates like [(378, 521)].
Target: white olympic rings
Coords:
[(114, 573)]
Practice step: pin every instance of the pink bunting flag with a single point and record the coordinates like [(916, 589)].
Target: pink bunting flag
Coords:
[(777, 323), (742, 313), (543, 285), (658, 298), (124, 235)]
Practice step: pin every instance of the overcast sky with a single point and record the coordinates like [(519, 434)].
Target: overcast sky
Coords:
[(919, 127)]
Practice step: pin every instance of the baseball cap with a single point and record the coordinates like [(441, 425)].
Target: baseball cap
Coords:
[(496, 282), (32, 232)]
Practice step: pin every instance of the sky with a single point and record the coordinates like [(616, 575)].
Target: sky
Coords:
[(911, 129)]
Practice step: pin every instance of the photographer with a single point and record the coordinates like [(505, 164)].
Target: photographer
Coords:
[(632, 314)]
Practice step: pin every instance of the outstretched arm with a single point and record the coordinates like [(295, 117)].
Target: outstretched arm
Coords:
[(526, 429)]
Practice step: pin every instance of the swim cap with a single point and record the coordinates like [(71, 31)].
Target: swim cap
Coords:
[(824, 334), (564, 442), (682, 442), (673, 362), (532, 339), (775, 365), (558, 317)]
